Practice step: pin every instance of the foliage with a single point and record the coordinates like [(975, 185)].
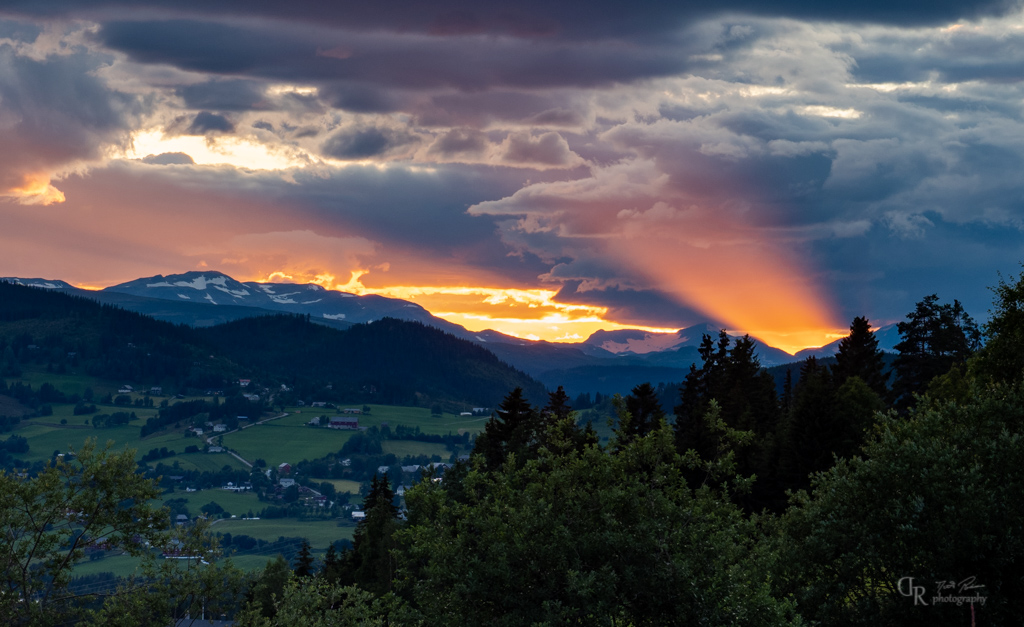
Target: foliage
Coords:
[(935, 497), (319, 603), (745, 396), (859, 356), (584, 538), (95, 501), (935, 337), (371, 562), (1002, 358), (645, 413)]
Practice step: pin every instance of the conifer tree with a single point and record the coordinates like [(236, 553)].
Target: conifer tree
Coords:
[(304, 560), (935, 338), (558, 407), (372, 563), (514, 428), (806, 441), (645, 412), (859, 356), (560, 433), (331, 568)]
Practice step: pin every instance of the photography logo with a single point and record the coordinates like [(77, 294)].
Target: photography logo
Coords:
[(943, 591)]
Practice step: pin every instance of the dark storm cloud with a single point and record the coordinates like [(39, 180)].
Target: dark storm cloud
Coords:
[(884, 275), (961, 55), (632, 306), (365, 142), (169, 158), (460, 142), (354, 59), (501, 105), (205, 122), (225, 95), (55, 110), (359, 98), (548, 149), (530, 18)]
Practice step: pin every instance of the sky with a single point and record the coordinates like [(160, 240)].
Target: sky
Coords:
[(542, 168)]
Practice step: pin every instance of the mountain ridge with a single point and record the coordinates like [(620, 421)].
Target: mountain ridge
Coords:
[(209, 297)]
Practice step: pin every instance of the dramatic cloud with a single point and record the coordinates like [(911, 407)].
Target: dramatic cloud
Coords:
[(54, 113), (777, 168)]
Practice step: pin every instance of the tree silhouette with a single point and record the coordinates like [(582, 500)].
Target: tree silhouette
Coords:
[(304, 560), (645, 413), (935, 338), (372, 562), (859, 356), (513, 429)]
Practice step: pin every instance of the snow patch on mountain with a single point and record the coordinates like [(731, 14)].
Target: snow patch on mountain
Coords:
[(210, 298), (183, 296), (236, 293), (198, 283), (49, 285), (649, 343)]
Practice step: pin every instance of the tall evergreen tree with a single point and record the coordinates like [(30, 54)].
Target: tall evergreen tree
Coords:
[(645, 413), (558, 407), (745, 393), (514, 428), (1002, 358), (560, 433), (331, 569), (859, 356), (806, 439), (372, 563), (935, 338), (304, 560)]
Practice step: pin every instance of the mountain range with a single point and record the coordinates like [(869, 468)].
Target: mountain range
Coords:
[(607, 361)]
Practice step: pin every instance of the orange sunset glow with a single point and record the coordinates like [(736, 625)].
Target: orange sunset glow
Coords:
[(753, 289), (530, 314)]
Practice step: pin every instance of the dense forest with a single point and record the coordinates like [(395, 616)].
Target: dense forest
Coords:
[(853, 496)]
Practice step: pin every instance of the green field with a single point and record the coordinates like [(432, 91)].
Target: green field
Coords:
[(203, 462), (343, 485), (69, 383), (120, 565), (320, 533), (44, 439), (277, 441), (237, 503)]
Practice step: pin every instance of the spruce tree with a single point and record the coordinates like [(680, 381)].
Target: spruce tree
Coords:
[(514, 428), (645, 412), (304, 560), (936, 337), (859, 356), (558, 407), (372, 562)]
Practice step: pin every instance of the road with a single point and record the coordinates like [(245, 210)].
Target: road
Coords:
[(210, 439)]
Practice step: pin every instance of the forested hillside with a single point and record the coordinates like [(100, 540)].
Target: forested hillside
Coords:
[(389, 361)]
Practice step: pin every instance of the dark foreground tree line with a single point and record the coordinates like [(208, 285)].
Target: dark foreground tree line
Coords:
[(917, 520)]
